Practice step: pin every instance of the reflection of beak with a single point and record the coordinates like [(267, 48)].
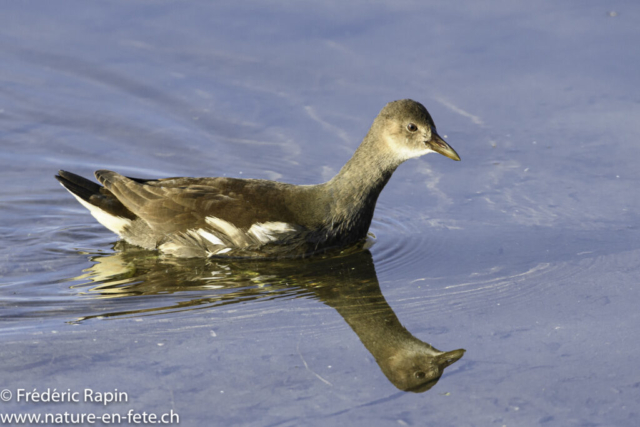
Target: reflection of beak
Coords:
[(439, 145), (450, 357)]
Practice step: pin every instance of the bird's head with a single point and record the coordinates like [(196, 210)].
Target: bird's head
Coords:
[(408, 131)]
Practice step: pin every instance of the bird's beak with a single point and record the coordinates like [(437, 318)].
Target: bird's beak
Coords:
[(439, 145)]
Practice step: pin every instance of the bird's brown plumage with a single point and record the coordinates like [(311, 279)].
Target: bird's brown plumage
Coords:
[(258, 218)]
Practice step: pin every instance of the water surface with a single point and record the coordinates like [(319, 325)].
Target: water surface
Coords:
[(525, 254)]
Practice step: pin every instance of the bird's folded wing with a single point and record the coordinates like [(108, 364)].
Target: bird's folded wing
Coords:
[(169, 208)]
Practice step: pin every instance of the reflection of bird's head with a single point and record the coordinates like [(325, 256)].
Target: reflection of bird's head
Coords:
[(417, 369)]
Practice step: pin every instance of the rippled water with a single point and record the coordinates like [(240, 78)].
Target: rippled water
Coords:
[(525, 254)]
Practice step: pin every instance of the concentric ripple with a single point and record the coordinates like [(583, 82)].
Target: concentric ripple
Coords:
[(432, 269), (400, 244), (492, 287)]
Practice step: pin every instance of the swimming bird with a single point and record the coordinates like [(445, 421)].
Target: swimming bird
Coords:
[(253, 218)]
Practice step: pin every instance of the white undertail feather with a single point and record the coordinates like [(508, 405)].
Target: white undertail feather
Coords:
[(114, 223)]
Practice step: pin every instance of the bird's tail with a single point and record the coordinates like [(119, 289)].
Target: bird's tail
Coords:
[(79, 186), (102, 204)]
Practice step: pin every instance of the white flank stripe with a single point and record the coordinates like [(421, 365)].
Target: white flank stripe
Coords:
[(233, 233), (210, 237), (169, 247), (270, 231)]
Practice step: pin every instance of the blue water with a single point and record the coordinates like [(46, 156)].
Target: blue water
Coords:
[(526, 253)]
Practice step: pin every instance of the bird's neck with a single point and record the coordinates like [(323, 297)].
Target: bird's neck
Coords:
[(352, 194), (376, 324)]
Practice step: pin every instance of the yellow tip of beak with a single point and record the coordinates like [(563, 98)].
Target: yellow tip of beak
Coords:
[(439, 145)]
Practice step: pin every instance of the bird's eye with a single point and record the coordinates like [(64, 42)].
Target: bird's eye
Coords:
[(411, 127), (420, 375)]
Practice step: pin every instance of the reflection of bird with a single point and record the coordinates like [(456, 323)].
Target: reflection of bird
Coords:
[(347, 283), (193, 217), (409, 363)]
